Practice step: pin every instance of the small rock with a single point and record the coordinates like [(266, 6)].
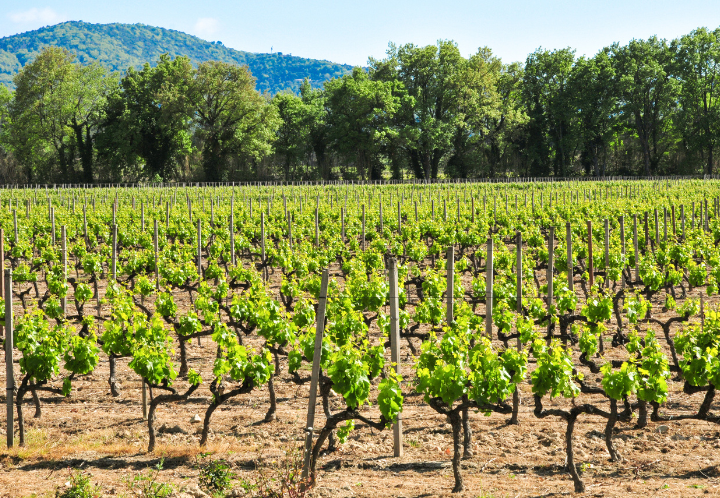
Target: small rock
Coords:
[(196, 419), (195, 491), (662, 429), (165, 429)]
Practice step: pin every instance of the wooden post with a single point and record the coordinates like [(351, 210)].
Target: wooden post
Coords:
[(621, 219), (399, 218), (570, 277), (674, 225), (157, 262), (289, 230), (85, 224), (382, 227), (395, 349), (607, 252), (15, 225), (9, 375), (144, 400), (52, 224), (199, 248), (682, 219), (449, 316), (635, 248), (114, 252), (489, 289), (657, 229), (342, 224), (363, 227), (63, 248), (262, 244), (232, 227), (317, 228), (549, 276), (315, 377), (591, 269), (142, 216)]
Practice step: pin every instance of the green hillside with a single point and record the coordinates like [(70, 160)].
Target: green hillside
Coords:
[(119, 46)]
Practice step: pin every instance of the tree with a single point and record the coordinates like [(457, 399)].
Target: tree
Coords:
[(477, 100), (428, 122), (57, 110), (318, 136), (6, 97), (594, 89), (493, 115), (359, 118), (697, 66), (550, 108), (149, 118), (292, 134), (230, 115), (648, 96)]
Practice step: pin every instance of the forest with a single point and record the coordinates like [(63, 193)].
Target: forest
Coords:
[(649, 107)]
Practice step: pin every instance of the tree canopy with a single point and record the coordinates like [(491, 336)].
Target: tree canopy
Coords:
[(649, 107)]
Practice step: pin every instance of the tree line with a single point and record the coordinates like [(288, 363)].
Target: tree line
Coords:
[(649, 107)]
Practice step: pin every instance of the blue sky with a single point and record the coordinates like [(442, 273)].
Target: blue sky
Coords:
[(349, 32)]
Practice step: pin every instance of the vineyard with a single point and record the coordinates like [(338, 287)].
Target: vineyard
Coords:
[(510, 338)]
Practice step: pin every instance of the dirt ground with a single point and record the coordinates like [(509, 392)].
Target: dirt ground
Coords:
[(107, 437)]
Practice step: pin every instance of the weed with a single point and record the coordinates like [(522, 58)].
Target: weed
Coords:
[(146, 485), (281, 479), (215, 475), (79, 486)]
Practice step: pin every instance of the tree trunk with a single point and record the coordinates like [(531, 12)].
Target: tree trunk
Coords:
[(182, 373), (163, 398), (218, 400), (456, 423), (113, 384), (579, 485), (467, 435), (18, 404), (612, 420), (270, 415), (516, 406)]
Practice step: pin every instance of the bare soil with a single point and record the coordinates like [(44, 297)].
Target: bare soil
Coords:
[(107, 437)]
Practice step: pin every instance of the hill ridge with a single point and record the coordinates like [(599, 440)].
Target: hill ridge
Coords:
[(118, 46)]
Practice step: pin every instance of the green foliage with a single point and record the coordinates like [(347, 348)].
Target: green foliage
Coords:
[(618, 384), (216, 475), (390, 397), (554, 372), (80, 487), (344, 431), (119, 46), (350, 376), (148, 485)]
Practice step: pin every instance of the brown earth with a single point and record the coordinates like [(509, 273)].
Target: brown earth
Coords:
[(107, 437)]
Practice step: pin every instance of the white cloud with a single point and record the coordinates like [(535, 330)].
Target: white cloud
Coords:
[(42, 16), (206, 26)]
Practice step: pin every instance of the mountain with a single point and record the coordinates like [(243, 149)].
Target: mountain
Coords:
[(119, 46)]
